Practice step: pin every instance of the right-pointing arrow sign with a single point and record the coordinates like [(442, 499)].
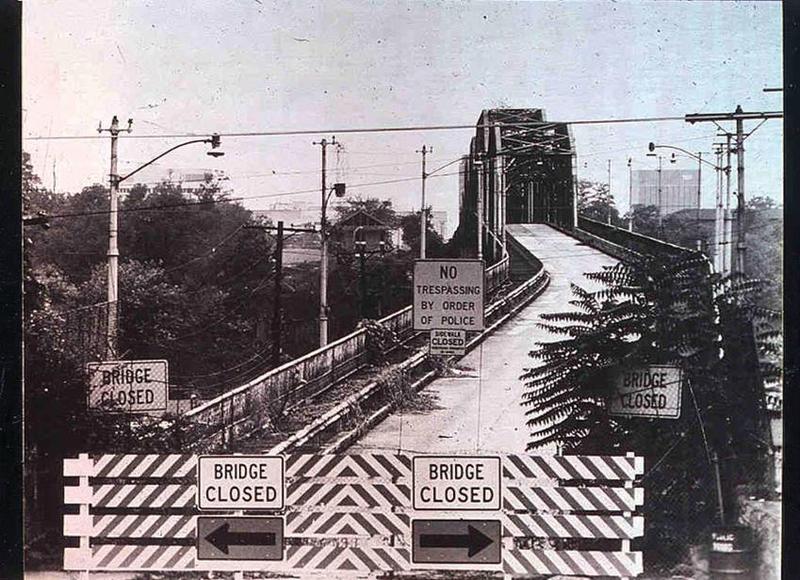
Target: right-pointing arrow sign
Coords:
[(456, 541), (474, 540)]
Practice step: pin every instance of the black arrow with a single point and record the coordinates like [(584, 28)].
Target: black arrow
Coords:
[(222, 538), (474, 539)]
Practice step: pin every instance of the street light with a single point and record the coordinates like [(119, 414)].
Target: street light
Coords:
[(112, 289), (659, 188), (652, 147)]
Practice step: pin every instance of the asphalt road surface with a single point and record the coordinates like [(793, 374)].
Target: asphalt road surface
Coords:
[(479, 409)]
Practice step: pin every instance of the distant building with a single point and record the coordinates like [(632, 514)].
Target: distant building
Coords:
[(678, 189), (362, 226), (190, 180), (295, 213)]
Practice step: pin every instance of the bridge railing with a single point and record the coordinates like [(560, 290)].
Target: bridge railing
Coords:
[(255, 405), (629, 244), (496, 274)]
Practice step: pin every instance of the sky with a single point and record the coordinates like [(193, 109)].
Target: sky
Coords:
[(255, 65)]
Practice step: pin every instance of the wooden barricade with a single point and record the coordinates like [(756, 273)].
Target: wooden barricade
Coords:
[(354, 514)]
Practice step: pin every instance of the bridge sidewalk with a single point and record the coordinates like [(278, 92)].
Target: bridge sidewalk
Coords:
[(479, 409)]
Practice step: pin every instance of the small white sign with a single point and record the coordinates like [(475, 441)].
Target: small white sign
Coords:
[(448, 342), (136, 386), (457, 483), (240, 482), (448, 294), (647, 392)]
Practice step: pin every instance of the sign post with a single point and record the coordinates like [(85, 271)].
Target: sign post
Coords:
[(653, 391), (448, 295), (135, 386)]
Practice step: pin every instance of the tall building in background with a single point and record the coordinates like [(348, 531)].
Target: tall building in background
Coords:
[(190, 180), (678, 189)]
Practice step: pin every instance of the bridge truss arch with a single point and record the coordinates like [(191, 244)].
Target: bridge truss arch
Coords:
[(522, 168)]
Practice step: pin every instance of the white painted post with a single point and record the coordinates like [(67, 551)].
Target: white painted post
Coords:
[(85, 541)]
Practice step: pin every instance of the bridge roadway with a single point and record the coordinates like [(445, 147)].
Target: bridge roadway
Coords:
[(478, 409)]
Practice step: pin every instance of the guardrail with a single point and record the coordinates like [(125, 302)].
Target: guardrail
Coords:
[(250, 407), (625, 243), (374, 401), (496, 275)]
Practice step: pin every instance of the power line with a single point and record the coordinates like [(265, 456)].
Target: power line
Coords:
[(232, 199), (288, 133)]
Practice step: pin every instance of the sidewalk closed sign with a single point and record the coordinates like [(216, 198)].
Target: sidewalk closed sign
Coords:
[(653, 391), (448, 342), (448, 294), (135, 386)]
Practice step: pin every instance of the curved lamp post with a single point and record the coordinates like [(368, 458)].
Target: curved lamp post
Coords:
[(112, 290)]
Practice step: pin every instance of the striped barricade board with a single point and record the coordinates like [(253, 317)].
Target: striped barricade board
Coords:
[(364, 514)]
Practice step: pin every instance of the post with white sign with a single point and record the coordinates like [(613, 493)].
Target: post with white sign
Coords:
[(448, 294), (653, 391), (240, 482), (135, 386)]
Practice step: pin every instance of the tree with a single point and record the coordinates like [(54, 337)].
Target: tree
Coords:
[(435, 246), (661, 311), (645, 220), (596, 202), (764, 258), (378, 208)]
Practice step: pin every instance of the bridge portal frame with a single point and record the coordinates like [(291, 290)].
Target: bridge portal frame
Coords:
[(523, 168)]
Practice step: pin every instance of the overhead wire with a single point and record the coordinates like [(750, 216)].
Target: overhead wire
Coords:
[(237, 198), (345, 131)]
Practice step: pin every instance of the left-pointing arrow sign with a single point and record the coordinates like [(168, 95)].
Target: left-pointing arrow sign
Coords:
[(239, 538), (222, 538)]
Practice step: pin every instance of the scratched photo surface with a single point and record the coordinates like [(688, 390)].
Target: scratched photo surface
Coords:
[(355, 288)]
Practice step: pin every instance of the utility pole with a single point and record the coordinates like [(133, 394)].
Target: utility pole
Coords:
[(719, 248), (276, 303), (323, 270), (362, 278), (112, 286), (479, 209), (659, 198), (741, 245), (610, 197), (699, 191), (277, 327), (630, 193), (728, 237), (739, 116), (423, 217)]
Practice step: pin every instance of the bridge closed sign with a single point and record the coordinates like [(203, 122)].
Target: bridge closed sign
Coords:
[(448, 294), (135, 386), (240, 482), (653, 391), (456, 482)]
